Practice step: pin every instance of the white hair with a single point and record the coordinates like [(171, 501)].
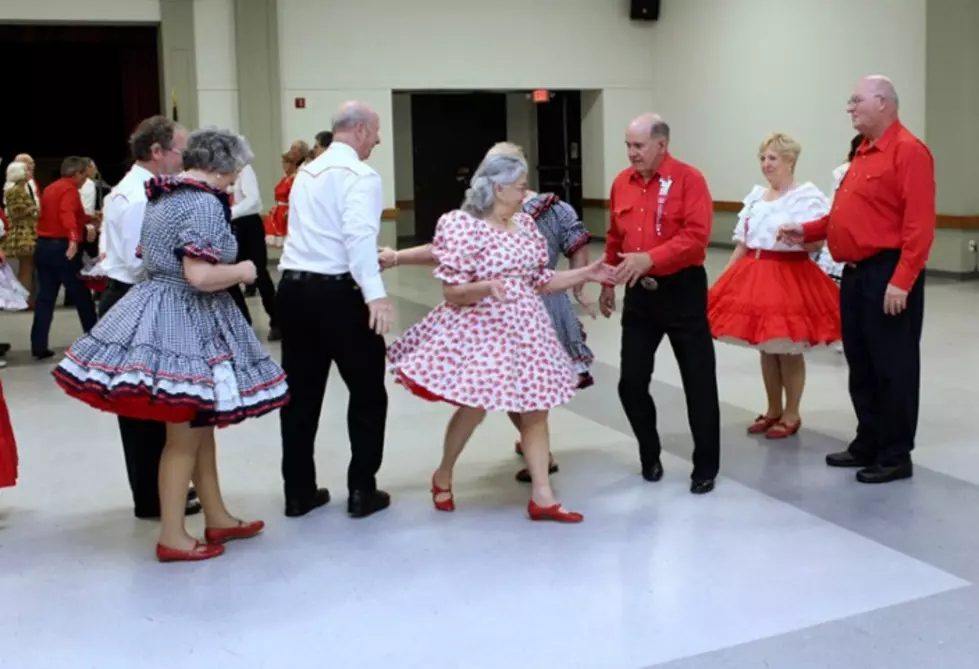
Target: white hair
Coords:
[(16, 171), (884, 87), (351, 115), (216, 150), (495, 170)]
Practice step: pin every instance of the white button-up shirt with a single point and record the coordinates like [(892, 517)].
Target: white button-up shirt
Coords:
[(248, 199), (122, 222), (335, 211)]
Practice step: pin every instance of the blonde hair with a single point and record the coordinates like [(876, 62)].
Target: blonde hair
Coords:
[(507, 149), (783, 145)]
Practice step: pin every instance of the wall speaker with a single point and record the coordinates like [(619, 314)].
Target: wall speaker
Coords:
[(644, 10)]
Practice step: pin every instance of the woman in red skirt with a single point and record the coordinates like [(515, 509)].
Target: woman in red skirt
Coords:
[(8, 447), (772, 296)]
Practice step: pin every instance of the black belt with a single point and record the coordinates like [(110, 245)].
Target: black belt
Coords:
[(300, 275)]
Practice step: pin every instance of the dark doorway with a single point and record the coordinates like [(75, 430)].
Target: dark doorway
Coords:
[(77, 90), (559, 147), (451, 134)]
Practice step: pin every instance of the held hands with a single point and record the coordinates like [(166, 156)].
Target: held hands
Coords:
[(599, 272), (790, 234), (633, 267), (248, 272), (381, 315), (387, 258), (895, 300)]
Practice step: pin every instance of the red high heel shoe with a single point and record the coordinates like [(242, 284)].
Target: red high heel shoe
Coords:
[(555, 513), (444, 504), (220, 535), (200, 551)]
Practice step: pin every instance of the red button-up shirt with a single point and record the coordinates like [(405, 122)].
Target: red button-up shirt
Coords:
[(62, 215), (679, 192), (885, 201)]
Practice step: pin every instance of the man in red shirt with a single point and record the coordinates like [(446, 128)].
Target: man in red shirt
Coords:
[(661, 214), (60, 231), (882, 225)]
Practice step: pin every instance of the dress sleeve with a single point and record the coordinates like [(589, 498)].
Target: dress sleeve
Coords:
[(740, 229), (573, 232), (457, 242), (807, 203), (205, 234)]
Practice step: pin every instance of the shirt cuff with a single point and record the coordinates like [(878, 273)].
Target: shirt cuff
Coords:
[(373, 288), (903, 278), (656, 255)]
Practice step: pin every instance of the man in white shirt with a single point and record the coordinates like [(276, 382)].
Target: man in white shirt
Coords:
[(249, 229), (156, 145), (334, 309)]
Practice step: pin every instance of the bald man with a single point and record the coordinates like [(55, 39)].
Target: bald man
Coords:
[(882, 226), (333, 309), (660, 216)]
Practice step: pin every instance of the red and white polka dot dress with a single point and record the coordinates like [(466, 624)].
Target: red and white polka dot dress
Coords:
[(493, 355)]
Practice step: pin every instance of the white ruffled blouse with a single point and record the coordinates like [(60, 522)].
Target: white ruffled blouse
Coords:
[(759, 220)]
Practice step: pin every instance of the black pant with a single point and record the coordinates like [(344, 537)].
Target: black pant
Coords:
[(325, 320), (250, 233), (677, 308), (142, 440), (884, 355), (53, 271)]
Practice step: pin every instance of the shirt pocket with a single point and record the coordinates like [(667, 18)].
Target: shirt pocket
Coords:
[(625, 218)]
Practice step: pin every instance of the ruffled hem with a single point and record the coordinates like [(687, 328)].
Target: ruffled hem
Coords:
[(501, 405), (218, 400), (775, 306)]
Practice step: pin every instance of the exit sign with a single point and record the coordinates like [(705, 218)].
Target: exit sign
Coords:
[(541, 95), (300, 103)]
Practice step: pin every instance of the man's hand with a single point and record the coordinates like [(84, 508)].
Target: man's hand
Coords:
[(633, 267), (381, 315), (790, 234), (72, 250), (606, 301), (90, 232), (895, 300)]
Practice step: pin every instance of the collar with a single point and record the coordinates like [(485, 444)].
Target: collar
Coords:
[(664, 171), (343, 147), (141, 173), (884, 140)]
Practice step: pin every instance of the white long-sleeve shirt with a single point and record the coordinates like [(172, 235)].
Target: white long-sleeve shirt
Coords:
[(248, 199), (335, 211), (122, 223)]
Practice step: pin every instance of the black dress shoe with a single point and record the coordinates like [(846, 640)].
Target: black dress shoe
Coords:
[(524, 474), (192, 509), (701, 487), (847, 459), (300, 507), (885, 473), (363, 503), (653, 472)]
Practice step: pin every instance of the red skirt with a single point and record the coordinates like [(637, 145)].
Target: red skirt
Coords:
[(8, 447), (777, 302)]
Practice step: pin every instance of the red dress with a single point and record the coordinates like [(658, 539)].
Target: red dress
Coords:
[(277, 220), (775, 299), (493, 355), (8, 447)]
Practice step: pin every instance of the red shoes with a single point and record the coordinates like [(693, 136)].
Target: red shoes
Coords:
[(215, 537), (774, 428), (554, 513), (220, 535), (448, 504)]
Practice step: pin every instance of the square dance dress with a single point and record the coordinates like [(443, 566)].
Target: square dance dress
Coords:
[(167, 351), (492, 355)]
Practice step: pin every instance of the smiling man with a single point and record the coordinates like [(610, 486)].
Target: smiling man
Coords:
[(882, 225)]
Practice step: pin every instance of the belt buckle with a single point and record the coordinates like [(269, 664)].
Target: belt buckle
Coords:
[(649, 283)]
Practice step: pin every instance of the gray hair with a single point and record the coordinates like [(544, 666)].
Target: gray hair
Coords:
[(495, 170), (884, 87), (16, 171), (660, 129), (351, 115), (216, 150)]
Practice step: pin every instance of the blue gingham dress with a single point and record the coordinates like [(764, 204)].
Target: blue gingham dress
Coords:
[(565, 234), (167, 343)]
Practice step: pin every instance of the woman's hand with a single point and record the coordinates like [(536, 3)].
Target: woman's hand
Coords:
[(387, 257), (579, 296), (599, 272), (497, 290)]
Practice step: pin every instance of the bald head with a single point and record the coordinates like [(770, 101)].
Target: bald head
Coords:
[(873, 106), (357, 125), (647, 140), (652, 125)]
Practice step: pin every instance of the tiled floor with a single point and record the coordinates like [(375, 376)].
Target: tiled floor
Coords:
[(787, 565)]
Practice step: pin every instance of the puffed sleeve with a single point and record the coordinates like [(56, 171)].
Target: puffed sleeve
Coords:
[(807, 203), (573, 232), (205, 234), (748, 202), (457, 242)]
